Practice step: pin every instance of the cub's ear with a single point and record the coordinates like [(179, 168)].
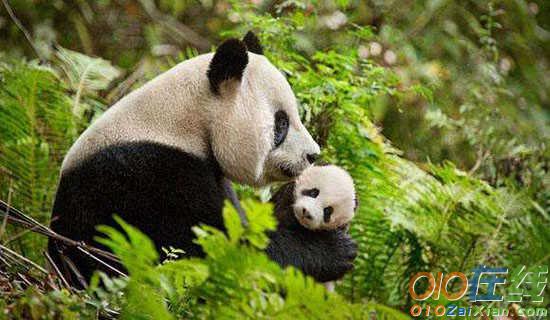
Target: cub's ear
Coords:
[(253, 43), (228, 63)]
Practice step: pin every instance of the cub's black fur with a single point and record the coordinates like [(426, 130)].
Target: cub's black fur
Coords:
[(326, 255)]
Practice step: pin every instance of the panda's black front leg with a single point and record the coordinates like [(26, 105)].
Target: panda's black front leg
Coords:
[(324, 255), (231, 195)]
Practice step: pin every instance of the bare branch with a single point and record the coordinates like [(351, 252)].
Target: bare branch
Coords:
[(21, 27), (56, 269), (22, 258)]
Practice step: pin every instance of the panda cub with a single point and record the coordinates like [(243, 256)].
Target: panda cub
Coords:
[(321, 199), (324, 199)]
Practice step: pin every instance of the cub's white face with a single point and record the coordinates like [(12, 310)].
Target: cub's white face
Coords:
[(325, 198), (257, 136)]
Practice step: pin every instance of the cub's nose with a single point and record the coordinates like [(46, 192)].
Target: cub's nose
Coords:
[(311, 157), (306, 214)]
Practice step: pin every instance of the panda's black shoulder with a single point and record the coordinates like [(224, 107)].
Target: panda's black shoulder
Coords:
[(142, 182)]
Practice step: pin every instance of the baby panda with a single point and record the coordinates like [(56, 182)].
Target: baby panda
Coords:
[(319, 201), (325, 198)]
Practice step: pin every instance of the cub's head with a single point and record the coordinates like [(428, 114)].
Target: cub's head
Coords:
[(324, 198), (255, 131)]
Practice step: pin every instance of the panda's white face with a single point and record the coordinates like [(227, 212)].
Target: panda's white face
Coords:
[(324, 198), (257, 136)]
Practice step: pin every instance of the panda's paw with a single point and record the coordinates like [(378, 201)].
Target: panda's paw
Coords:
[(341, 259), (347, 248), (351, 249)]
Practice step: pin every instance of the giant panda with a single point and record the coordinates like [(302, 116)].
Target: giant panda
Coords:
[(159, 158), (323, 199), (316, 206)]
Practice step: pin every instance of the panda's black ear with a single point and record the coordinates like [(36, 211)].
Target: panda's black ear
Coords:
[(253, 43), (228, 63)]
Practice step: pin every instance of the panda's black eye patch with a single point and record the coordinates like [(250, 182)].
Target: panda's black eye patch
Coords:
[(281, 127), (311, 192), (327, 212)]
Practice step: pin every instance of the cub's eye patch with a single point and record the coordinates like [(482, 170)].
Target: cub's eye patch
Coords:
[(311, 192), (281, 127), (327, 212)]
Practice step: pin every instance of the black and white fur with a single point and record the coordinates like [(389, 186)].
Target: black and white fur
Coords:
[(324, 198), (301, 208), (160, 157)]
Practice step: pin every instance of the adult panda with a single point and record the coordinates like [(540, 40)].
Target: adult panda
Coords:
[(159, 158)]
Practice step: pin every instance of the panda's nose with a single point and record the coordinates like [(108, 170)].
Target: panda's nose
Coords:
[(306, 214), (311, 157)]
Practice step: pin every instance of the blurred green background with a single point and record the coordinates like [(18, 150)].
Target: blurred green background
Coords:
[(439, 109)]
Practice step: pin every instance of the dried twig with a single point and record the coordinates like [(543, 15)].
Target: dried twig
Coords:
[(15, 216), (175, 27), (26, 221), (120, 273), (22, 233), (57, 271), (22, 258), (21, 27), (481, 157), (4, 261), (24, 279), (5, 220), (124, 87), (75, 270)]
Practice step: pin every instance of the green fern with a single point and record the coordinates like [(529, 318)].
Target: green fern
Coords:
[(235, 279), (411, 217), (39, 122)]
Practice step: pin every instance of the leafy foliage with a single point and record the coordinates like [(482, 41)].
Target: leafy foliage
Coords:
[(37, 128), (235, 279), (33, 304), (409, 219), (39, 124)]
